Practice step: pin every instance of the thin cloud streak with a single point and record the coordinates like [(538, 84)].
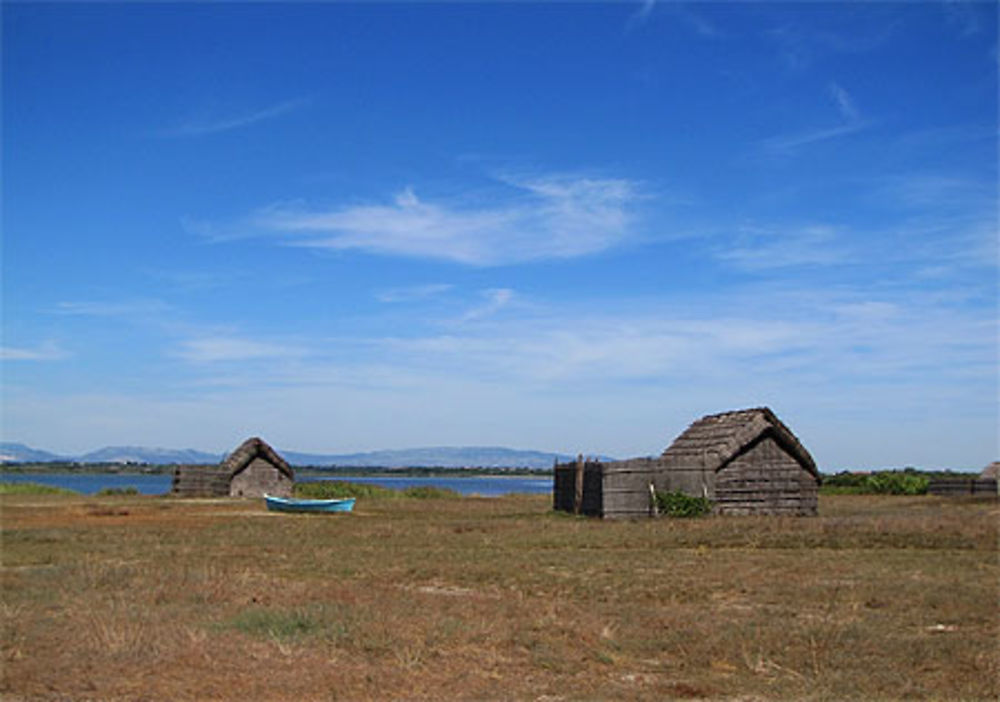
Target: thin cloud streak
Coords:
[(850, 115), (123, 308), (758, 249), (496, 299), (793, 141), (196, 128), (224, 349), (46, 352), (413, 293)]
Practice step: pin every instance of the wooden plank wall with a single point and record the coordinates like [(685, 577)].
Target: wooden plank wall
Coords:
[(200, 481), (615, 490), (962, 486), (626, 488), (765, 480), (564, 488)]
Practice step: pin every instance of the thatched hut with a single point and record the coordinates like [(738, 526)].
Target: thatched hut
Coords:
[(745, 462), (255, 468), (250, 471)]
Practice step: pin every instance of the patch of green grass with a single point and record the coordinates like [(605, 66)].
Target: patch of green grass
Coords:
[(322, 621), (429, 492), (33, 489)]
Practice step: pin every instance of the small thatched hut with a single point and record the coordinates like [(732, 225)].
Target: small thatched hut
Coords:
[(255, 468), (746, 462), (250, 471)]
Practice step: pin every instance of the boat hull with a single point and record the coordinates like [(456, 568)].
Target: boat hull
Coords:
[(291, 504)]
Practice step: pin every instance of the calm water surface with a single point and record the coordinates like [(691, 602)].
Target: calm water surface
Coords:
[(90, 483)]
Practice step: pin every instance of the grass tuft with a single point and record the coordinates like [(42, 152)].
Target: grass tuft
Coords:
[(117, 491)]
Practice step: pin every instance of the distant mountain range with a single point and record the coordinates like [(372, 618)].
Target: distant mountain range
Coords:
[(442, 456)]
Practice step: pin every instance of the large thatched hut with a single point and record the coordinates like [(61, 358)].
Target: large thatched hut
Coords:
[(991, 472), (746, 462), (250, 471)]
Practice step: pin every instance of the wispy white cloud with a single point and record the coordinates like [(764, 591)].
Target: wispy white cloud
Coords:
[(216, 124), (413, 293), (833, 342), (49, 351), (222, 349), (640, 15), (139, 308), (621, 377), (845, 103), (756, 248), (538, 218)]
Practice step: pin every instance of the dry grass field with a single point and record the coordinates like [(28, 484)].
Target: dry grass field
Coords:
[(152, 598)]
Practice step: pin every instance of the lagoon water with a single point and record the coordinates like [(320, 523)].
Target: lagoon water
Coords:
[(90, 483)]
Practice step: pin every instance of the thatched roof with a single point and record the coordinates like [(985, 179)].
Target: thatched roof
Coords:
[(718, 438), (991, 471), (249, 450)]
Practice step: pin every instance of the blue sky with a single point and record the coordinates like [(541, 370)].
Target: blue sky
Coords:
[(570, 227)]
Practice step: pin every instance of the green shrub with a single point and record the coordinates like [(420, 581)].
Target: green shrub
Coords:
[(883, 482), (677, 504), (117, 491), (845, 481), (894, 483), (33, 489)]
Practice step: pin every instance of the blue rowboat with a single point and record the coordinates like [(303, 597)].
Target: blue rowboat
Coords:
[(292, 504)]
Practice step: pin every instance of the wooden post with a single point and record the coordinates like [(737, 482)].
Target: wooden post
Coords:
[(578, 491)]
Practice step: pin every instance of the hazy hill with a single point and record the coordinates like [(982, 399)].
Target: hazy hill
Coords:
[(439, 456), (11, 452), (143, 454)]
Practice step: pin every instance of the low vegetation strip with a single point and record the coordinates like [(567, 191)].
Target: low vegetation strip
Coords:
[(879, 597), (18, 488), (340, 489)]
